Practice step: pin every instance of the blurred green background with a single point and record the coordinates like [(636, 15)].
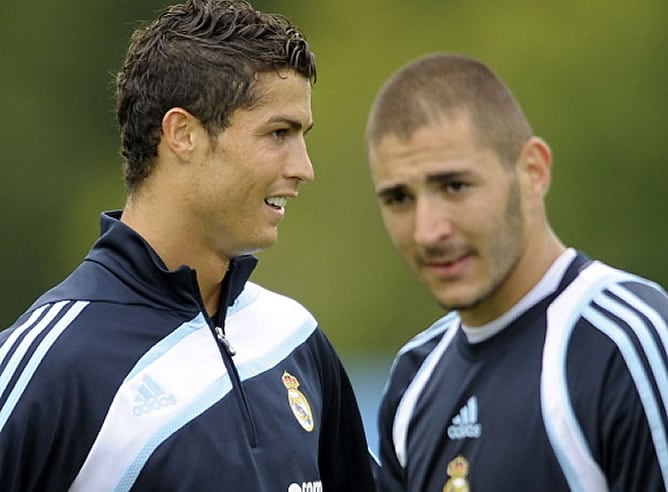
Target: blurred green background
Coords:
[(592, 77)]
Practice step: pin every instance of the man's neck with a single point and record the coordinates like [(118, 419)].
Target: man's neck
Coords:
[(176, 247)]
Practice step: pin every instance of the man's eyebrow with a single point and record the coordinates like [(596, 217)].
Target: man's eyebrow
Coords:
[(392, 190), (435, 178), (291, 122), (446, 177)]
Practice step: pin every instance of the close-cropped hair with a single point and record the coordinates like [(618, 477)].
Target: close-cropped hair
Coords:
[(441, 86), (202, 56)]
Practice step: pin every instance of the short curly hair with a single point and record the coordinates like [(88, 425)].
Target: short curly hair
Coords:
[(203, 56)]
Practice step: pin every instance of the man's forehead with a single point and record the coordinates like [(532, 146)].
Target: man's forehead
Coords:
[(269, 85), (280, 100), (443, 139), (404, 129)]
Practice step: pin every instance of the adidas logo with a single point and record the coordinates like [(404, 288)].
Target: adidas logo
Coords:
[(465, 423), (151, 397)]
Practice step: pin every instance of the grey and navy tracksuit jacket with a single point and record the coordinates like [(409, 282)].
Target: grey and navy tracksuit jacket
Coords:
[(117, 379)]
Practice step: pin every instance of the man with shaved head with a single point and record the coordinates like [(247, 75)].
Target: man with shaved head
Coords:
[(549, 370)]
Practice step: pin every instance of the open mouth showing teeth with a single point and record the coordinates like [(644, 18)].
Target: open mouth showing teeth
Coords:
[(276, 201)]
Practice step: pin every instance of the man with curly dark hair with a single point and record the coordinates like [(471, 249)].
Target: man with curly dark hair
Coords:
[(157, 364)]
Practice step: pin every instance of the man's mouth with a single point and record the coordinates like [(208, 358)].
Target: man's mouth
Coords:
[(277, 202), (444, 259)]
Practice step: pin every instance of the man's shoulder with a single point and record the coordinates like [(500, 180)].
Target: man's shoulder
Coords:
[(262, 299), (608, 316), (597, 283), (413, 355), (92, 282), (421, 345), (275, 319)]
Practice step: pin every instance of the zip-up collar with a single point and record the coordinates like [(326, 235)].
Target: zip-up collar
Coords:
[(129, 257)]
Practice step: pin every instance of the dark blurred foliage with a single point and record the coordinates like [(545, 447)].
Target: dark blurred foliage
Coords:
[(592, 77)]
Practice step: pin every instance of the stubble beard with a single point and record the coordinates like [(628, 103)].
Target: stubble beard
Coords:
[(505, 252)]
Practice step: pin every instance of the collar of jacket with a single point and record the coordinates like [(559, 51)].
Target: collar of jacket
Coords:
[(125, 253)]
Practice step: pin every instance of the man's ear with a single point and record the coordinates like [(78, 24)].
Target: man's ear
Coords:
[(178, 132), (536, 159)]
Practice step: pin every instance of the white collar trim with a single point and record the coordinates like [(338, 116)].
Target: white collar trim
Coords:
[(546, 286)]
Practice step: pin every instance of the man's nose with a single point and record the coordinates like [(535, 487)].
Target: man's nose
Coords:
[(432, 221), (300, 166)]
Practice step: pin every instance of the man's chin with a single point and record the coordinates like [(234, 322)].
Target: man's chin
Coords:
[(456, 306), (459, 303), (262, 243)]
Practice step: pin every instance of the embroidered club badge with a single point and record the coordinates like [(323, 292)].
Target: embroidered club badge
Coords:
[(299, 405), (458, 470)]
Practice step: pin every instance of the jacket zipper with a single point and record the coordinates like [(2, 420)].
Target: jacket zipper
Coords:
[(220, 335), (227, 353)]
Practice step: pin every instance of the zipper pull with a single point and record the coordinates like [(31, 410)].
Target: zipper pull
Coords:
[(220, 334)]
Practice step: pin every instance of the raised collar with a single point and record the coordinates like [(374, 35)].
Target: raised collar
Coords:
[(129, 257)]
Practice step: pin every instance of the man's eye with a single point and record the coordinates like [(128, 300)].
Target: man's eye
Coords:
[(280, 133), (456, 186), (395, 199)]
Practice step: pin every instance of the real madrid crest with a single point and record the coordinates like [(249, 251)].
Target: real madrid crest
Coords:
[(458, 470), (299, 405)]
